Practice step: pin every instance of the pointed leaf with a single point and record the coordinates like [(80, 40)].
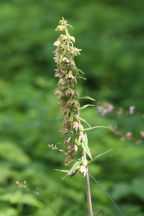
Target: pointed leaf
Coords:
[(97, 156), (81, 71), (85, 146), (83, 120), (87, 97), (85, 106), (65, 171), (80, 77), (91, 128), (75, 166)]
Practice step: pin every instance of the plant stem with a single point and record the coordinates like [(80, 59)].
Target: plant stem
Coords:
[(89, 200)]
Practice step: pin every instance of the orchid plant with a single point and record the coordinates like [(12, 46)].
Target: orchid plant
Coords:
[(76, 141)]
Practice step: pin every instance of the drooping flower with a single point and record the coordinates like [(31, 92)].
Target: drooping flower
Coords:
[(83, 170)]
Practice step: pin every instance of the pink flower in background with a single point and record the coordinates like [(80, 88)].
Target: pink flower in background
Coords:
[(131, 110), (129, 135), (105, 108), (142, 134)]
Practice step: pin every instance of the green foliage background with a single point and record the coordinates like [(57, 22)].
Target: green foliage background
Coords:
[(111, 35)]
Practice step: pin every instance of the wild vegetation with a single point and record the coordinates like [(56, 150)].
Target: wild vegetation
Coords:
[(111, 36)]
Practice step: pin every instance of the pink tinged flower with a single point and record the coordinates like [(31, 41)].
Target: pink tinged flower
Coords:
[(69, 92), (75, 125), (57, 43), (66, 111), (75, 51), (58, 92), (81, 137), (142, 134), (64, 131), (70, 76), (68, 160), (104, 112), (73, 102), (72, 148), (129, 135), (131, 110), (67, 140), (64, 38), (61, 101), (110, 108), (73, 173), (68, 121), (83, 170), (65, 60), (59, 73)]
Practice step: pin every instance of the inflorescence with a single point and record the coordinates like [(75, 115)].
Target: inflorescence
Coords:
[(67, 94)]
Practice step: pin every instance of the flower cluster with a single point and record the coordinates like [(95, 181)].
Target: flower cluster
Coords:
[(131, 110), (105, 108), (66, 92)]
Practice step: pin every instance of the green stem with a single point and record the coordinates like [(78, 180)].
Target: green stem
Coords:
[(89, 200)]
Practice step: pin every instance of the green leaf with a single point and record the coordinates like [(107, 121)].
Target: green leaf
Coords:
[(85, 146), (7, 210), (81, 71), (83, 120), (91, 128), (97, 156), (85, 106), (75, 166), (80, 77), (87, 97), (65, 171), (18, 196), (138, 187), (11, 151), (121, 190)]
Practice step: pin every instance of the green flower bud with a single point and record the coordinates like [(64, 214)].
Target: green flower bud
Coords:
[(85, 162)]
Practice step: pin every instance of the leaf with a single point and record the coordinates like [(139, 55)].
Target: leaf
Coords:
[(11, 151), (83, 120), (80, 77), (91, 128), (65, 171), (81, 71), (85, 106), (75, 166), (121, 190), (18, 196), (138, 187), (97, 156), (87, 97), (85, 146), (7, 210)]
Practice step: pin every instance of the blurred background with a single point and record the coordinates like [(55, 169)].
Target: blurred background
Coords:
[(111, 36)]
